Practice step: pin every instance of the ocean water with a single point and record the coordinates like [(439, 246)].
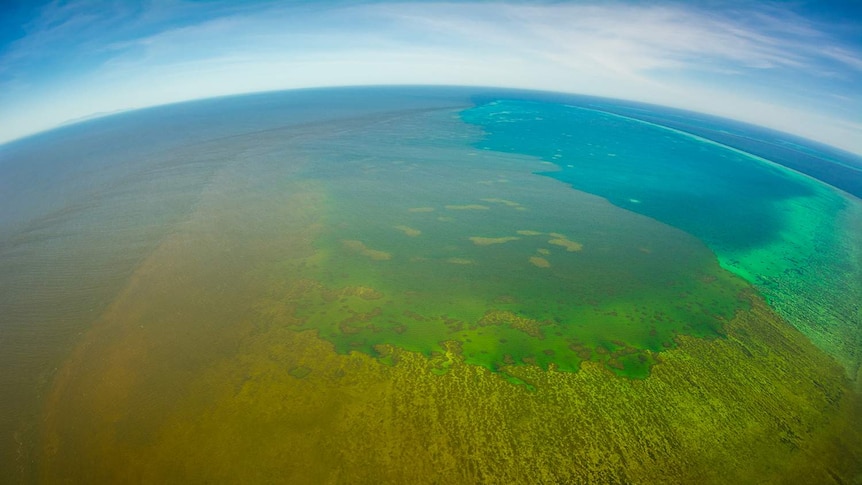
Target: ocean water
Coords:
[(472, 247), (791, 236), (400, 284)]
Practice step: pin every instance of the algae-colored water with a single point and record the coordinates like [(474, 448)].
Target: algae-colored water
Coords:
[(373, 297), (514, 267)]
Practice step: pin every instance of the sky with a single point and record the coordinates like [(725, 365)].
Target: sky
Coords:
[(795, 66)]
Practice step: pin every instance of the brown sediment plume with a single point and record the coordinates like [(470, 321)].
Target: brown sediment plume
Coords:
[(543, 251), (360, 248), (527, 232), (462, 261), (487, 241)]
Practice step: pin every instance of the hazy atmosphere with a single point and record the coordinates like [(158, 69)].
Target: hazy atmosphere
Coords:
[(794, 66)]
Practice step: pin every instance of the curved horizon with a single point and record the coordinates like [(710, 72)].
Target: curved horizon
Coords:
[(795, 69)]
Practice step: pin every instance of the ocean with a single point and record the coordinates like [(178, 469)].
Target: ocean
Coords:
[(423, 284)]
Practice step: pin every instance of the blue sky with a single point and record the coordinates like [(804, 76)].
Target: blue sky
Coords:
[(794, 66)]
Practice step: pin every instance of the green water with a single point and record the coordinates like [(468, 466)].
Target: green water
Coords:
[(434, 241), (793, 237)]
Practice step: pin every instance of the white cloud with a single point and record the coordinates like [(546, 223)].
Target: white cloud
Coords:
[(643, 52)]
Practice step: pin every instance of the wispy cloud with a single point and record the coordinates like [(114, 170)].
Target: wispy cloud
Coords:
[(111, 55), (640, 37)]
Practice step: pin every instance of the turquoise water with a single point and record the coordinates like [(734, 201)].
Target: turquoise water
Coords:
[(791, 236), (835, 167)]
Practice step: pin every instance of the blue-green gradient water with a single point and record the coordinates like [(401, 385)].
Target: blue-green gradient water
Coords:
[(793, 237), (412, 285)]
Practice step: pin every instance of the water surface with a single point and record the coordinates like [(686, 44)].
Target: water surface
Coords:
[(358, 285)]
